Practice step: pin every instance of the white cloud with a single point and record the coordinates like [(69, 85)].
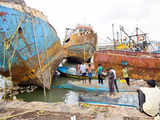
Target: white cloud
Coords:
[(101, 14)]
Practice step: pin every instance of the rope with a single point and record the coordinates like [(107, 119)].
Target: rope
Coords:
[(4, 58), (11, 58), (11, 116), (7, 42), (13, 53), (107, 103), (45, 45), (39, 59)]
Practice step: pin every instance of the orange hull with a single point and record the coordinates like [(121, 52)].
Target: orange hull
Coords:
[(81, 45), (142, 65)]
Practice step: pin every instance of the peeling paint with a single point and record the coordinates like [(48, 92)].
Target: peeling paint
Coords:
[(3, 13), (4, 20), (141, 65)]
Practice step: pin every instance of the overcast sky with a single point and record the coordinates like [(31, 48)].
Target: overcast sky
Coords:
[(101, 14)]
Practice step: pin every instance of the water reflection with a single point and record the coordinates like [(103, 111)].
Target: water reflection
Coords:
[(72, 97), (53, 95)]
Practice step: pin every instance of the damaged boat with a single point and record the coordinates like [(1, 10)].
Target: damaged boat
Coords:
[(141, 65), (28, 45), (80, 43), (132, 51)]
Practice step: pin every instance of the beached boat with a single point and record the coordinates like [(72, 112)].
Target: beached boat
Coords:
[(89, 88), (126, 100), (133, 51), (71, 73), (142, 65), (80, 43), (28, 45)]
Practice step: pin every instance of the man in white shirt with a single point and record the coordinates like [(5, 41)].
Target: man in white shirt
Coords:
[(115, 77), (83, 72)]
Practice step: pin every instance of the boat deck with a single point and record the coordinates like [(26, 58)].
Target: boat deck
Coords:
[(127, 95), (122, 85)]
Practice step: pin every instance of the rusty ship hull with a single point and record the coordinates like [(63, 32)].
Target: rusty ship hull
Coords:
[(28, 45), (81, 44), (142, 65)]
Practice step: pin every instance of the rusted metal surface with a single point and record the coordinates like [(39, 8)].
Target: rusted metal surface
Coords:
[(3, 13), (141, 65), (21, 2), (22, 73), (81, 45), (131, 53), (23, 38), (30, 48), (23, 8)]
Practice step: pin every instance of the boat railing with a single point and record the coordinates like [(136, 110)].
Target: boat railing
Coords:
[(130, 53)]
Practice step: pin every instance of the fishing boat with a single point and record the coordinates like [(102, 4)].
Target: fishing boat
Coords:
[(71, 73), (80, 87), (28, 45), (125, 99), (132, 52), (142, 65), (80, 43)]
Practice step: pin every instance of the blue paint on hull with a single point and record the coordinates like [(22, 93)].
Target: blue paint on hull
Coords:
[(107, 103), (90, 89), (157, 51), (34, 29)]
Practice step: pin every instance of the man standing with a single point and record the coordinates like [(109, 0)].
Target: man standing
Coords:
[(89, 73), (112, 81), (83, 72), (100, 69), (125, 75), (115, 79)]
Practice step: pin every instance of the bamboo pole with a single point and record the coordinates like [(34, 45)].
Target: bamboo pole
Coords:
[(5, 90), (44, 89)]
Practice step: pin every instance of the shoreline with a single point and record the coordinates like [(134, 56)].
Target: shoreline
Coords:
[(20, 109)]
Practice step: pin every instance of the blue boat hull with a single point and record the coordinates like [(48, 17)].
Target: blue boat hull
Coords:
[(64, 71), (28, 45)]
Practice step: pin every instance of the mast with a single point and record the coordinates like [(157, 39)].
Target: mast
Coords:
[(121, 34), (137, 34), (113, 36), (117, 36), (84, 48)]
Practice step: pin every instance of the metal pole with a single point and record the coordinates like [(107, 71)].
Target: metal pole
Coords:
[(137, 33), (113, 36), (121, 34), (118, 37)]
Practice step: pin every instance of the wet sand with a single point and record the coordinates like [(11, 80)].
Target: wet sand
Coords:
[(18, 110)]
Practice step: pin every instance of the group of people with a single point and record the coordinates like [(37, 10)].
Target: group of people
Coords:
[(83, 70), (148, 97), (149, 100), (107, 74), (110, 76)]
